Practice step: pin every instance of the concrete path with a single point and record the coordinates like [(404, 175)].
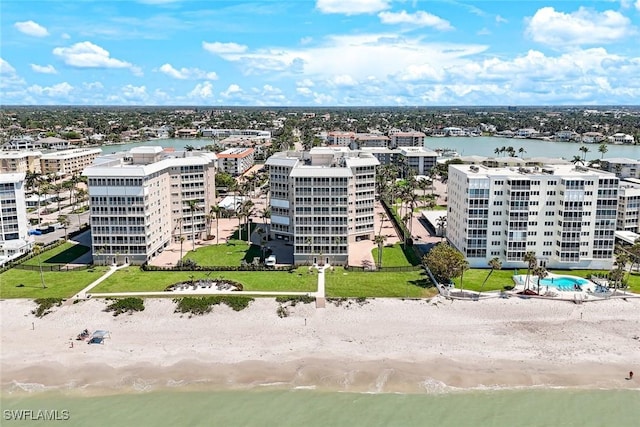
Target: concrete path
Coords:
[(320, 294), (83, 294), (197, 292)]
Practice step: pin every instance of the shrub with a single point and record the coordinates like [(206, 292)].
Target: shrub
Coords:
[(282, 311), (126, 305), (293, 300), (205, 304), (44, 304)]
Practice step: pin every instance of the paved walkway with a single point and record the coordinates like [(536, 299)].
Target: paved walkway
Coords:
[(83, 294)]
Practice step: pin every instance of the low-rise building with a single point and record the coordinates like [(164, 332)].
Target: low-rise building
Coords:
[(236, 161), (621, 138), (68, 162), (407, 139), (622, 167), (20, 161)]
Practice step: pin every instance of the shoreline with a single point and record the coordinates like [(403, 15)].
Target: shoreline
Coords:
[(382, 346)]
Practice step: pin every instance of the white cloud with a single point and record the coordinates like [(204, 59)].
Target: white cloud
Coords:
[(584, 26), (187, 73), (56, 91), (31, 28), (344, 80), (9, 80), (88, 55), (232, 90), (202, 90), (637, 5), (44, 69), (305, 83), (135, 92), (93, 86), (352, 7), (6, 68), (360, 57), (418, 19), (222, 48), (484, 31), (65, 36), (501, 20)]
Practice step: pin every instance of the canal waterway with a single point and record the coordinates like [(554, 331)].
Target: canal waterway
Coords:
[(465, 146)]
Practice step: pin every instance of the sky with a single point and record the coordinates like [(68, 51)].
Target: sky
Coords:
[(319, 53)]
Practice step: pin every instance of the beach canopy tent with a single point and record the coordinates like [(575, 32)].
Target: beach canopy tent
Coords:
[(98, 337)]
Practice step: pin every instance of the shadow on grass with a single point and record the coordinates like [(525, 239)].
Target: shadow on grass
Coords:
[(67, 256), (251, 253), (236, 233), (410, 254)]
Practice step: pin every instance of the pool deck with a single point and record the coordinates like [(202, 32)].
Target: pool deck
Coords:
[(588, 291)]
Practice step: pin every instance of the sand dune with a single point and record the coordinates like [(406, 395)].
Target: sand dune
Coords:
[(384, 345)]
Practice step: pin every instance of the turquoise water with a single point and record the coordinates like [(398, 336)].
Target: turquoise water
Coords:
[(563, 282), (531, 407)]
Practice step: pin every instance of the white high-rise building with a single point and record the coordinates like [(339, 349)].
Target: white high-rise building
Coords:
[(565, 214), (14, 227), (629, 205), (322, 200), (142, 200)]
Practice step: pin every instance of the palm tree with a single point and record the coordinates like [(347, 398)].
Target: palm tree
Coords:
[(584, 150), (603, 149), (215, 211), (65, 222), (246, 210), (497, 151), (379, 240), (181, 242), (541, 273), (532, 261), (464, 266), (383, 217), (309, 241), (37, 250), (576, 160), (521, 150), (495, 264)]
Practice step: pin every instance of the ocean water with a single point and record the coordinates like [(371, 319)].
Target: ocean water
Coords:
[(272, 407)]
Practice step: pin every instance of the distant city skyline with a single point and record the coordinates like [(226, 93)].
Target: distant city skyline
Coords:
[(319, 53)]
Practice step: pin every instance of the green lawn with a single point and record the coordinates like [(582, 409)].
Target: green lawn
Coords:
[(342, 283), (395, 256), (474, 277), (63, 254), (133, 279), (231, 253), (60, 284)]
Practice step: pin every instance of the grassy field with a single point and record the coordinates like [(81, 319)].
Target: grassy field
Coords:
[(231, 253), (412, 284), (60, 284), (395, 256), (133, 279), (63, 254)]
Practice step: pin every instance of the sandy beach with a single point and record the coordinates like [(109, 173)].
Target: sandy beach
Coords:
[(383, 345)]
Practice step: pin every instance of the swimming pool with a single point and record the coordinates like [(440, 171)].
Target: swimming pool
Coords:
[(564, 283)]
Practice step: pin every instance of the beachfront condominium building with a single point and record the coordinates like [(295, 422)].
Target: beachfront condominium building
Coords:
[(565, 214), (321, 201), (20, 161), (629, 206), (67, 163), (14, 227), (235, 161), (143, 200)]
